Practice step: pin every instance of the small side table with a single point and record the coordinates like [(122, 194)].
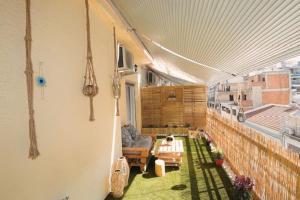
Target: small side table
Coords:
[(160, 168)]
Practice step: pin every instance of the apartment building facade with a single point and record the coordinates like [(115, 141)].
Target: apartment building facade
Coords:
[(272, 87)]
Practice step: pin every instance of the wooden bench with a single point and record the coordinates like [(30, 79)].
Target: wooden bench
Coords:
[(139, 156)]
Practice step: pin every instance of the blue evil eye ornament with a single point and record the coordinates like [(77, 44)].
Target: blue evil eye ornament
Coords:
[(41, 81)]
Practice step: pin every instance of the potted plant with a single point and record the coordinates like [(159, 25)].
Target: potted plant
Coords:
[(243, 186), (219, 158)]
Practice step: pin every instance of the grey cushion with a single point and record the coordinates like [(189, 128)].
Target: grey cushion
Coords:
[(132, 130), (126, 138), (143, 141)]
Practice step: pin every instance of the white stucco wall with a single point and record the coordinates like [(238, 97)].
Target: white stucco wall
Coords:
[(136, 80), (75, 153)]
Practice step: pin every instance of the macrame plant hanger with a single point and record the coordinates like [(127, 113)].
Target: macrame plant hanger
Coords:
[(117, 77), (33, 149), (90, 87)]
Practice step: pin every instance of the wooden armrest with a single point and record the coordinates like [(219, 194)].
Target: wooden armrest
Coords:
[(141, 152)]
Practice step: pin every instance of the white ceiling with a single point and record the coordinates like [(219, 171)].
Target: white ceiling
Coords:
[(232, 36)]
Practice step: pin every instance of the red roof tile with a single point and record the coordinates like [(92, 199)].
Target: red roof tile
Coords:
[(272, 118)]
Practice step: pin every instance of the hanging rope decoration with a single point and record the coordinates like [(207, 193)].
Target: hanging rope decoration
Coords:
[(33, 150), (117, 77), (90, 87)]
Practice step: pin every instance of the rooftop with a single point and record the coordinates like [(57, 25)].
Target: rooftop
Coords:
[(270, 116)]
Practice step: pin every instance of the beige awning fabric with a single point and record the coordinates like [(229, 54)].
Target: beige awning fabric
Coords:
[(228, 36)]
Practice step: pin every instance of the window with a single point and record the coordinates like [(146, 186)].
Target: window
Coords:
[(263, 79), (130, 103), (244, 97), (230, 97), (228, 110)]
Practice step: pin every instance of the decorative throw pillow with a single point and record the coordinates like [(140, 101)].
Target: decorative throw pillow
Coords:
[(126, 138), (132, 130)]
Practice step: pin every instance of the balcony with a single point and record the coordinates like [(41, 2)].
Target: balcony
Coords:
[(246, 152), (86, 65), (197, 178)]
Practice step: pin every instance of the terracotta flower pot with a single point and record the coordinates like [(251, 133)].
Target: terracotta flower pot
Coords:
[(219, 162)]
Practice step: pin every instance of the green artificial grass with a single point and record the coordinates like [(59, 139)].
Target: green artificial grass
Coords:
[(197, 178)]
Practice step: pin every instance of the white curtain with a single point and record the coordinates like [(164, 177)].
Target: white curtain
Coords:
[(130, 103)]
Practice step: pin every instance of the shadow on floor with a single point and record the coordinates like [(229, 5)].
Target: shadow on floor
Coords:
[(214, 181)]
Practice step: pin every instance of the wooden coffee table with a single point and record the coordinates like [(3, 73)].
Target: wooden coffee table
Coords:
[(171, 154)]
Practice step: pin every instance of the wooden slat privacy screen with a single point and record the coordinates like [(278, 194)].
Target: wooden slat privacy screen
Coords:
[(173, 105), (276, 170)]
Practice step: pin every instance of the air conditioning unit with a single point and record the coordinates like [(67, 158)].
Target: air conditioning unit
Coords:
[(125, 60), (150, 78)]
